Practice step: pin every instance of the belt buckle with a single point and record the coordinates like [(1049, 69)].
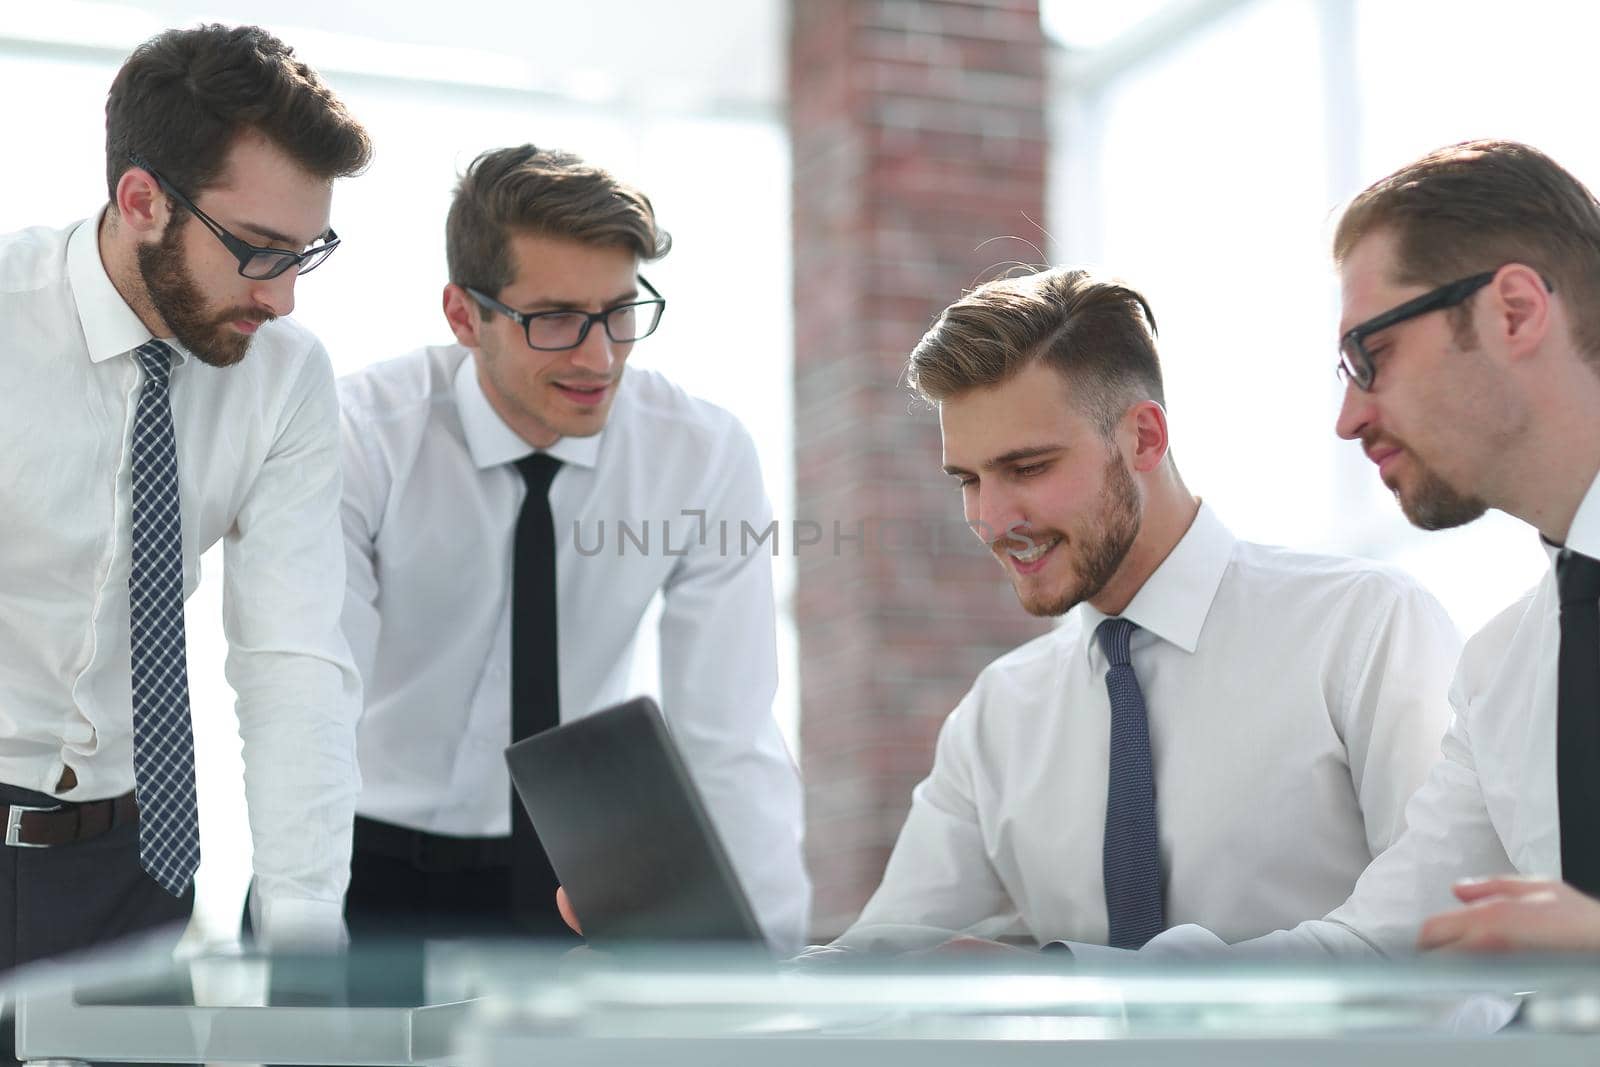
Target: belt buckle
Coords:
[(14, 825)]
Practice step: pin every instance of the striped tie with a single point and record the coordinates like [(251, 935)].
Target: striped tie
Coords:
[(163, 743), (1131, 858)]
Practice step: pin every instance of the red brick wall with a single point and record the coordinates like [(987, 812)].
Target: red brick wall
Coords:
[(918, 136)]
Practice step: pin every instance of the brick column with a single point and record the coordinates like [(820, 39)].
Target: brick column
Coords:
[(919, 137)]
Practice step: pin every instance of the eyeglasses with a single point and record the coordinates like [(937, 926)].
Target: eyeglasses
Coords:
[(556, 331), (1355, 362), (255, 262)]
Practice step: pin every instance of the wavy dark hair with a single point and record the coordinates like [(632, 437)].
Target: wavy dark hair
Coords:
[(547, 192), (184, 96)]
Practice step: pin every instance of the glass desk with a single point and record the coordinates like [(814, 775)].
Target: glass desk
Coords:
[(488, 1004)]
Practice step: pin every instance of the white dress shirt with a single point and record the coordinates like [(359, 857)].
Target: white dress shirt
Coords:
[(1294, 701), (1488, 806), (430, 510), (258, 469)]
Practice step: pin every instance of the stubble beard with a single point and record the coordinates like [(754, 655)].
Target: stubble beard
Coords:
[(1101, 547), (1434, 505)]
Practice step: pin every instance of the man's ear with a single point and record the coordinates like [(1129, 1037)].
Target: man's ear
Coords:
[(461, 312), (1146, 423), (141, 204), (1521, 307)]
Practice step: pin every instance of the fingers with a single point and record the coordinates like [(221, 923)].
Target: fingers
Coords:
[(564, 906), (1471, 889), (1443, 930), (1478, 928), (1494, 922)]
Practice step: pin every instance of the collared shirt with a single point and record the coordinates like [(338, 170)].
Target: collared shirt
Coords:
[(257, 469), (654, 502), (1294, 701), (1489, 805)]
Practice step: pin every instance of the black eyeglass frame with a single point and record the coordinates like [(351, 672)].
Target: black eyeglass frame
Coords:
[(603, 317), (1355, 362), (240, 249)]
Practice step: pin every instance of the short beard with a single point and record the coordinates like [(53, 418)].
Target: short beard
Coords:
[(1436, 506), (177, 299), (1104, 545)]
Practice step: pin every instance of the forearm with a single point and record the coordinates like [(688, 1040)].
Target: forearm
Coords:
[(301, 783)]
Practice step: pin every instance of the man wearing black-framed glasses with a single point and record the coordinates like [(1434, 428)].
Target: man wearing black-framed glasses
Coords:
[(1470, 345), (513, 504), (152, 404)]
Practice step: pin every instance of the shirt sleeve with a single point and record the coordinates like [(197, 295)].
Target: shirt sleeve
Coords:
[(299, 694), (360, 513), (1396, 707), (939, 881), (718, 677)]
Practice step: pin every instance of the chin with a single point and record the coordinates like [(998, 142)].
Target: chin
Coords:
[(583, 426), (1047, 603), (1434, 505)]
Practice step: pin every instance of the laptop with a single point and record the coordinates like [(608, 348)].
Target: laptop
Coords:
[(627, 833)]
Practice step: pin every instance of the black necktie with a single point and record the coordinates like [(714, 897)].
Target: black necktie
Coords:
[(535, 682), (1578, 720)]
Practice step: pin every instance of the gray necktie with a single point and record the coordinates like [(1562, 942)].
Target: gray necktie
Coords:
[(1131, 859), (163, 742)]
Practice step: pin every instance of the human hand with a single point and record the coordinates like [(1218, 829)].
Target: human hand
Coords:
[(1515, 915), (984, 954), (564, 906)]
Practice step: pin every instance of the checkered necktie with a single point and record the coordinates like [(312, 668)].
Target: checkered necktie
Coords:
[(163, 744), (1131, 856)]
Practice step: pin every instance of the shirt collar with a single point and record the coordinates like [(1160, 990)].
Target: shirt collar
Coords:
[(110, 327), (1174, 601), (493, 443), (1584, 534)]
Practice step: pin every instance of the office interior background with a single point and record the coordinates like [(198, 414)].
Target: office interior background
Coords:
[(834, 172)]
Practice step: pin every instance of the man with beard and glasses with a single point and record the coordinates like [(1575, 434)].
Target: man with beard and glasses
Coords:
[(1218, 732), (488, 485), (1470, 345), (154, 400)]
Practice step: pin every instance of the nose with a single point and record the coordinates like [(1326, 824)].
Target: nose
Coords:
[(598, 353), (993, 512), (276, 295), (1356, 413)]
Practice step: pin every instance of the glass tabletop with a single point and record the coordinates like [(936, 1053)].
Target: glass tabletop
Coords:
[(520, 1002)]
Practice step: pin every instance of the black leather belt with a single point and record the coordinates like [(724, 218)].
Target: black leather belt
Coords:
[(66, 823), (431, 853)]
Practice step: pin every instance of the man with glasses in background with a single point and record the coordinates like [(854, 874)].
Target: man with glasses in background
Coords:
[(513, 504), (154, 399), (1470, 346)]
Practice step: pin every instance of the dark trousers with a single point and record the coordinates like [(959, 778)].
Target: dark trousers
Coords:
[(66, 897), (410, 884), (407, 886), (71, 897)]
